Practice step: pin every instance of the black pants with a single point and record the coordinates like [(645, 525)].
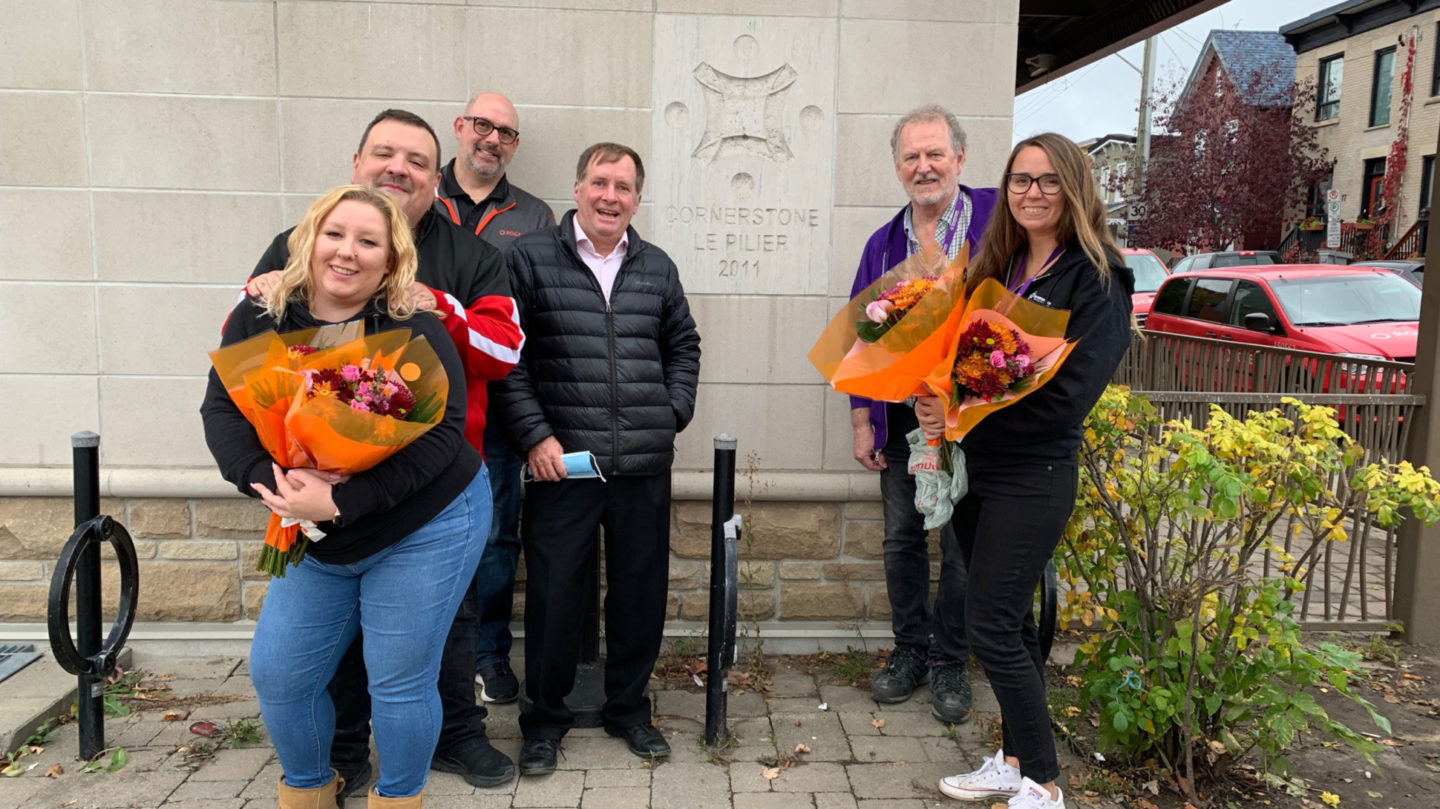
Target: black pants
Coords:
[(558, 531), (463, 717), (1007, 528), (907, 559)]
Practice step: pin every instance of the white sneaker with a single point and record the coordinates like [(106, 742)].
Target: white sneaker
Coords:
[(994, 779), (1034, 796)]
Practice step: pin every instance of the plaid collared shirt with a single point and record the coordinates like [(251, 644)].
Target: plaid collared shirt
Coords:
[(957, 215)]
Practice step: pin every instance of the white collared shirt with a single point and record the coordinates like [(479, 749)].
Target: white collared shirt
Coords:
[(605, 268)]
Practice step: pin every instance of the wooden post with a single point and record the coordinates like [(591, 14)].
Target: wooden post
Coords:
[(1417, 566)]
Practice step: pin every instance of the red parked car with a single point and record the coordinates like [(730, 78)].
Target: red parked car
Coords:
[(1347, 311), (1150, 273)]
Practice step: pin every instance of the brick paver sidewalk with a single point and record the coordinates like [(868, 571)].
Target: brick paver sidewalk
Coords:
[(861, 754)]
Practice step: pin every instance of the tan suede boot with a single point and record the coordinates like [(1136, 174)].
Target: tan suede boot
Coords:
[(321, 797), (379, 802)]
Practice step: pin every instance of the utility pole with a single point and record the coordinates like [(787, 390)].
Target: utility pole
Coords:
[(1142, 132)]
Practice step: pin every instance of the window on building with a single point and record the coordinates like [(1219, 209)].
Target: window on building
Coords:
[(1315, 205), (1327, 102), (1120, 181), (1380, 87), (1372, 188), (1435, 77), (1427, 176), (1105, 183)]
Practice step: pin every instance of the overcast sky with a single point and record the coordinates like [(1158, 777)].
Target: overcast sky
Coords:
[(1104, 97)]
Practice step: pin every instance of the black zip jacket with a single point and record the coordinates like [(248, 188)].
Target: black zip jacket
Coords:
[(384, 504), (617, 379), (1048, 424), (508, 213)]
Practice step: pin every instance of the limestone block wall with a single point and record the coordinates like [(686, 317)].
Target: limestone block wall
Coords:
[(150, 149), (799, 561)]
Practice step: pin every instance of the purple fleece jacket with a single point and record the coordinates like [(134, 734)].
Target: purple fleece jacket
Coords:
[(886, 248)]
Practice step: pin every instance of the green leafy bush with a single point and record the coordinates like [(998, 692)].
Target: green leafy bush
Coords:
[(1194, 658)]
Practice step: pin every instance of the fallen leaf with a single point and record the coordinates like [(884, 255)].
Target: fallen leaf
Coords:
[(54, 771), (797, 723), (174, 716), (1330, 798), (877, 723), (697, 680), (802, 748), (69, 803), (770, 773), (1141, 803)]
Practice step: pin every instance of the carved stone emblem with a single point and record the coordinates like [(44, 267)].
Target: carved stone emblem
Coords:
[(744, 114)]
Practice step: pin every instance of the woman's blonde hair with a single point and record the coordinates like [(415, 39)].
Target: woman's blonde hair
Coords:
[(1082, 219), (294, 282)]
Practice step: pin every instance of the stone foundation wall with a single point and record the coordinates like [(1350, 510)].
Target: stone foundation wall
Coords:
[(799, 561)]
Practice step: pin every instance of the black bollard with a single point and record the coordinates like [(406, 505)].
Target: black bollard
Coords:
[(77, 572), (90, 694), (724, 541)]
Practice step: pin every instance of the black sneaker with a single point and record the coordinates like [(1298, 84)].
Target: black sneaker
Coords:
[(950, 693), (904, 671), (478, 762), (497, 682)]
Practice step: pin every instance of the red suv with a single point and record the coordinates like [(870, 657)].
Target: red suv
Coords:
[(1349, 311), (1150, 273)]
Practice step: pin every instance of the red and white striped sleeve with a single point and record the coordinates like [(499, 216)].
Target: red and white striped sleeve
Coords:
[(487, 333)]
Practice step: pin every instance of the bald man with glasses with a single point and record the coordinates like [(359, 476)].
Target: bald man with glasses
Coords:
[(475, 194)]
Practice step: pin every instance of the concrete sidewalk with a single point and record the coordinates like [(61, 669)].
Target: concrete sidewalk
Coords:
[(862, 755)]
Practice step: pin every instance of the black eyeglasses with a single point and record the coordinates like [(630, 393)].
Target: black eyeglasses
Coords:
[(483, 128), (1020, 183)]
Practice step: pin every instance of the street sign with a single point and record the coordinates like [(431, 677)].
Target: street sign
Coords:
[(1332, 218)]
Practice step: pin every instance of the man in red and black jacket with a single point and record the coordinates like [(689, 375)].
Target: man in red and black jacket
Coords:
[(475, 194), (465, 281)]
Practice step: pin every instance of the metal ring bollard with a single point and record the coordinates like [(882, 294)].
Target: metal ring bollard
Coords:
[(79, 565), (91, 533), (724, 587)]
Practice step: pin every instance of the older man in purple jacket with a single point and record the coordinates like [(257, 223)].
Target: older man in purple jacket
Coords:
[(929, 150)]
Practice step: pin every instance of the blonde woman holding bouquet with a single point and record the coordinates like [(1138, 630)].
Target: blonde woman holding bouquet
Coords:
[(400, 538), (1048, 244)]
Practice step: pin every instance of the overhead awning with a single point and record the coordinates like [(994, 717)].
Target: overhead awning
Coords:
[(1061, 36)]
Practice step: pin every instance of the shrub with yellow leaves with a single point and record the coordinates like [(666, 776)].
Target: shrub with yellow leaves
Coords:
[(1193, 656)]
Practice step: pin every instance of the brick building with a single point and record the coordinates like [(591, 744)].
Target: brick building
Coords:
[(1378, 106)]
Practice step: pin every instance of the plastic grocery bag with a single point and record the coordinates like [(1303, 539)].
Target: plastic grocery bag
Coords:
[(940, 477)]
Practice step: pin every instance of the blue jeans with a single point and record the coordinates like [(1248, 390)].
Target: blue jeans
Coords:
[(404, 598), (495, 579)]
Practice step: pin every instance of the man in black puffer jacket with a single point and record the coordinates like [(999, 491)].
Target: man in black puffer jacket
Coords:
[(610, 366)]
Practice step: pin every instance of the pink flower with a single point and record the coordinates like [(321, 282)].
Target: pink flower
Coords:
[(997, 358), (879, 310), (360, 405), (350, 372)]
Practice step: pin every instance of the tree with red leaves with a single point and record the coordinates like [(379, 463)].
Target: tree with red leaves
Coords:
[(1228, 171)]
